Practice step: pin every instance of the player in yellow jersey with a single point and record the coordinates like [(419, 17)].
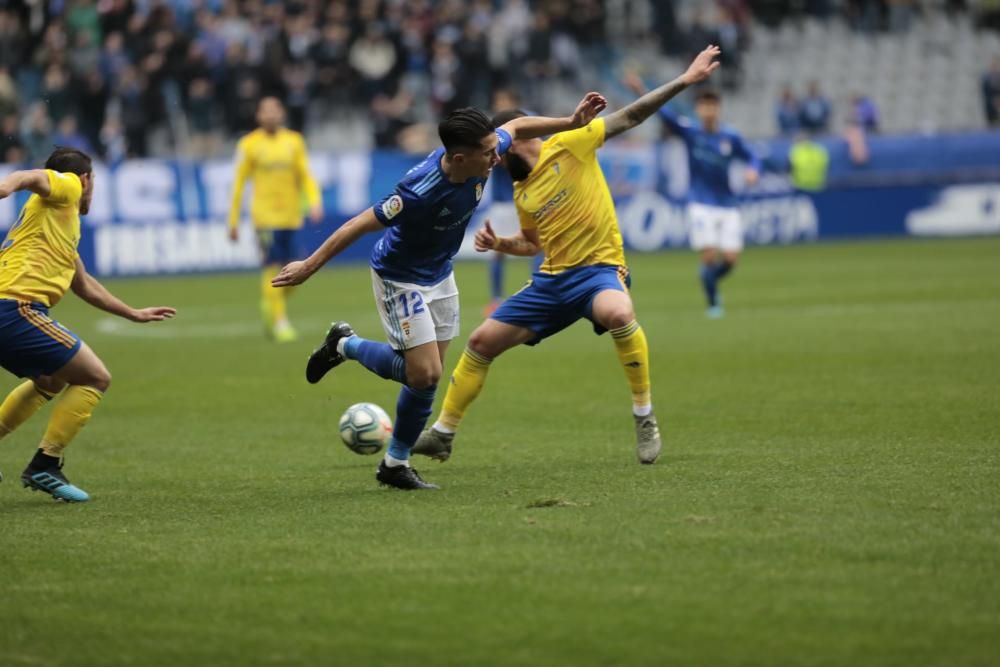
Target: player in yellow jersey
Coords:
[(565, 209), (38, 263), (276, 159)]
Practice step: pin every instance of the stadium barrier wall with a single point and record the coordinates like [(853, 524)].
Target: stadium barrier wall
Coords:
[(163, 217)]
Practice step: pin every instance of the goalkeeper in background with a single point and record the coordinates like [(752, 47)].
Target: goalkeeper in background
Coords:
[(276, 159)]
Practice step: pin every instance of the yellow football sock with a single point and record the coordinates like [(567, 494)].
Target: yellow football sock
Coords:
[(466, 382), (633, 352), (273, 298), (71, 413), (20, 404)]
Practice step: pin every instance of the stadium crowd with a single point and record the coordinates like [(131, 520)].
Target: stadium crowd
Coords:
[(106, 75)]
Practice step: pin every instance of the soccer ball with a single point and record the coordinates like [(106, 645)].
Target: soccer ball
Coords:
[(365, 428)]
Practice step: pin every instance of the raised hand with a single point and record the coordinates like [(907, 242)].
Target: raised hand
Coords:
[(703, 65), (153, 314), (486, 238), (634, 82), (295, 273), (589, 107)]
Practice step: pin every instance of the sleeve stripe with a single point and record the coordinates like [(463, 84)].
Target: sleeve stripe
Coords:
[(427, 183)]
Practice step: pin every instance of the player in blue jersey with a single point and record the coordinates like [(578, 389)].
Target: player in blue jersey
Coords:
[(713, 207), (424, 220)]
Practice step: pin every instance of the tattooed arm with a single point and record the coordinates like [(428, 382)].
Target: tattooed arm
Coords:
[(644, 107)]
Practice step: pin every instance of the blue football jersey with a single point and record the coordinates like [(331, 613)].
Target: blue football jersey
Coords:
[(426, 216), (710, 155)]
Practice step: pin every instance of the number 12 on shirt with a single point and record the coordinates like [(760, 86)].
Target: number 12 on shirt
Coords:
[(412, 303)]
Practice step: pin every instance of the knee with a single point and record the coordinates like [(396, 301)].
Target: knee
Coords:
[(481, 343), (100, 379), (49, 385), (422, 378), (619, 317)]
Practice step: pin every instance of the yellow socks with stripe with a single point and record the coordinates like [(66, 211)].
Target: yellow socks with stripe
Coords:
[(633, 352), (466, 382), (71, 413), (20, 404)]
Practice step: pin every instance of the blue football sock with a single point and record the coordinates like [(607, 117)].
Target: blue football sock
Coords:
[(709, 283), (496, 277), (413, 409), (721, 269), (379, 358)]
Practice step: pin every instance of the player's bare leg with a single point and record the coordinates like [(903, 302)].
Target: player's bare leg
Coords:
[(613, 310), (491, 339), (82, 383)]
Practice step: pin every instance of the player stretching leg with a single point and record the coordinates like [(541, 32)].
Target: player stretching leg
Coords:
[(276, 159), (716, 227), (38, 263), (424, 221), (565, 209)]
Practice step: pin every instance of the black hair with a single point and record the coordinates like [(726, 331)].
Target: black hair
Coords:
[(69, 160), (464, 128), (708, 95), (504, 117)]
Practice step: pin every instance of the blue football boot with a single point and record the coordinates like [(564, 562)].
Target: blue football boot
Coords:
[(53, 482)]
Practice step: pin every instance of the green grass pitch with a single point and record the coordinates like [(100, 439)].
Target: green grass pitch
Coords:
[(829, 492)]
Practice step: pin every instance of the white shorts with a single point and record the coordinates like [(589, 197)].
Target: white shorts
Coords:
[(416, 314), (503, 218), (715, 227)]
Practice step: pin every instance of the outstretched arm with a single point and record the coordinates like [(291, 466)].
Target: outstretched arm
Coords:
[(35, 180), (532, 127), (634, 114), (90, 290), (297, 273)]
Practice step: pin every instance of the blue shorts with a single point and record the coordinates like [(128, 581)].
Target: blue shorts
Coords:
[(31, 342), (278, 246), (551, 302)]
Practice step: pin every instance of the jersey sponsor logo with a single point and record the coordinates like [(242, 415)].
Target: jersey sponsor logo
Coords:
[(392, 207), (555, 167), (479, 191), (551, 205)]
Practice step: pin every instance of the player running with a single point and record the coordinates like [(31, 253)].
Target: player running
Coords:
[(412, 276), (276, 159), (566, 210), (716, 226), (38, 263)]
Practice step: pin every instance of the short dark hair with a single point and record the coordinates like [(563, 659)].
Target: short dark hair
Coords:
[(504, 117), (69, 160), (464, 128), (708, 95)]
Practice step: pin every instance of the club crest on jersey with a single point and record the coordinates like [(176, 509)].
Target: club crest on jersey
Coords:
[(725, 147), (392, 207), (479, 191)]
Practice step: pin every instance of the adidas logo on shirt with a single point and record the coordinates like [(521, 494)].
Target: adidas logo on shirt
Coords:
[(444, 212)]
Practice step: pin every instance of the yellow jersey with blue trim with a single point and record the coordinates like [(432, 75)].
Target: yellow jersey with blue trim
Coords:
[(567, 200), (38, 257), (278, 163)]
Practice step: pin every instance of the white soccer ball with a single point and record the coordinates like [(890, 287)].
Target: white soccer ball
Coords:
[(365, 428)]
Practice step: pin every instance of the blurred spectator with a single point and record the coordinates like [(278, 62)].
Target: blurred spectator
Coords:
[(68, 134), (86, 54), (390, 117), (10, 101), (787, 112), (82, 19), (93, 102), (864, 113), (11, 147), (991, 93), (113, 58), (815, 110), (445, 70), (201, 117), (37, 135), (57, 93), (373, 57), (13, 40)]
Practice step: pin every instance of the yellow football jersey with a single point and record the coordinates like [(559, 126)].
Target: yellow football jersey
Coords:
[(568, 201), (38, 257), (279, 166)]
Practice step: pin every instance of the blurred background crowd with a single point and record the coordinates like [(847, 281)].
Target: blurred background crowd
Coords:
[(182, 77)]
